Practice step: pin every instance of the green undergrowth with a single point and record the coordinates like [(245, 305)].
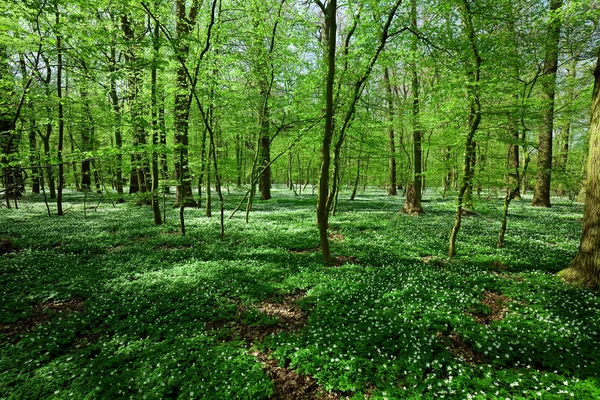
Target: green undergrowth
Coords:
[(162, 314)]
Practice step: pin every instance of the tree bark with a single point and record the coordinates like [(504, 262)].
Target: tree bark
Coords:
[(541, 196), (86, 142), (184, 25), (392, 189), (116, 107), (61, 122), (513, 181), (330, 33), (155, 125), (140, 170), (33, 151), (473, 118), (413, 205), (584, 270), (265, 157)]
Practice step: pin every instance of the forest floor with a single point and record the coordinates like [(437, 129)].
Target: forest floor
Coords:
[(109, 306)]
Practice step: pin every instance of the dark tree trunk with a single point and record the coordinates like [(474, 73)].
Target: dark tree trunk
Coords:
[(413, 203), (86, 142), (155, 125), (139, 163), (116, 107), (541, 196), (33, 152), (330, 33), (162, 139), (265, 156), (61, 122), (184, 25)]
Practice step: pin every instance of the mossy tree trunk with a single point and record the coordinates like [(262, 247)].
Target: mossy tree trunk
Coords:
[(584, 270)]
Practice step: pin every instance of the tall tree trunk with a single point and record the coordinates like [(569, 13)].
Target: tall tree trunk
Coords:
[(468, 197), (86, 142), (116, 107), (584, 270), (61, 122), (155, 124), (330, 31), (139, 162), (238, 160), (34, 158), (513, 181), (541, 196), (265, 156), (33, 153), (473, 118), (162, 139), (184, 25), (392, 190), (7, 135), (356, 179), (447, 180), (412, 205), (565, 131)]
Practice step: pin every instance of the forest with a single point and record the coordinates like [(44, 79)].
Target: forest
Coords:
[(299, 199)]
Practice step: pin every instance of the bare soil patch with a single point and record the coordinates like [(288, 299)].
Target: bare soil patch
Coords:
[(7, 246), (290, 317), (461, 350), (341, 260), (497, 303), (336, 237), (469, 213), (290, 385), (297, 250), (500, 266), (434, 261), (42, 313), (72, 305), (288, 314), (86, 340)]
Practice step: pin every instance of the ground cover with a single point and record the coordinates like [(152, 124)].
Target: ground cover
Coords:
[(110, 306)]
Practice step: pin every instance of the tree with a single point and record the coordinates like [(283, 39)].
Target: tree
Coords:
[(155, 122), (325, 196), (541, 196), (473, 118), (584, 270), (184, 25), (389, 100), (7, 126), (412, 205), (329, 39), (61, 119)]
